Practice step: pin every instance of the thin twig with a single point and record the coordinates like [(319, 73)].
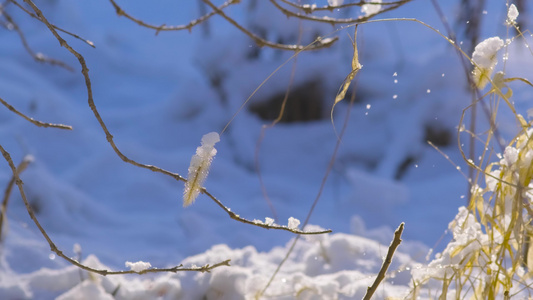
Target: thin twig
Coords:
[(265, 127), (86, 41), (334, 21), (37, 56), (386, 263), (189, 26), (309, 9), (319, 194), (20, 168), (35, 122), (85, 72), (55, 249), (109, 137), (237, 217), (475, 95), (323, 43)]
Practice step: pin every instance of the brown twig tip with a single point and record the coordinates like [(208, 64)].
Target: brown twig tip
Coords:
[(35, 122), (386, 263)]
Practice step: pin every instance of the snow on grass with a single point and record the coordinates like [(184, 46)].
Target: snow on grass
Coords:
[(485, 59), (512, 14)]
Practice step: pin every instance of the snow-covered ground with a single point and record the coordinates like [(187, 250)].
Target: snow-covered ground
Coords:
[(159, 94)]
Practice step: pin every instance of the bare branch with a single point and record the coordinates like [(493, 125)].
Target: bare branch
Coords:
[(309, 9), (163, 27), (86, 41), (56, 250), (334, 21), (35, 122), (85, 72), (237, 217), (318, 44), (109, 136), (20, 168), (37, 56), (386, 263)]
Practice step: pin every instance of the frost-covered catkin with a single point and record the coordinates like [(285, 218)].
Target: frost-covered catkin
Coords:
[(199, 167)]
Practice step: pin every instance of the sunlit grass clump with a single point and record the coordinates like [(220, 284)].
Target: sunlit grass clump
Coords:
[(490, 255)]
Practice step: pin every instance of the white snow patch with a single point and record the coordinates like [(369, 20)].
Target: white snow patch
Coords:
[(138, 266), (510, 156), (370, 9), (484, 55), (512, 14), (335, 2), (293, 223)]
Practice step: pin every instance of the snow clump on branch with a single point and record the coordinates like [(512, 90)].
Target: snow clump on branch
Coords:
[(138, 266), (372, 8)]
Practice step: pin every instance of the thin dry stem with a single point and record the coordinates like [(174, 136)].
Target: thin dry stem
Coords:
[(7, 193), (265, 127), (163, 27), (334, 21), (85, 72), (319, 194), (321, 43), (86, 41), (309, 9), (386, 263), (237, 217), (37, 56), (33, 121), (109, 137)]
